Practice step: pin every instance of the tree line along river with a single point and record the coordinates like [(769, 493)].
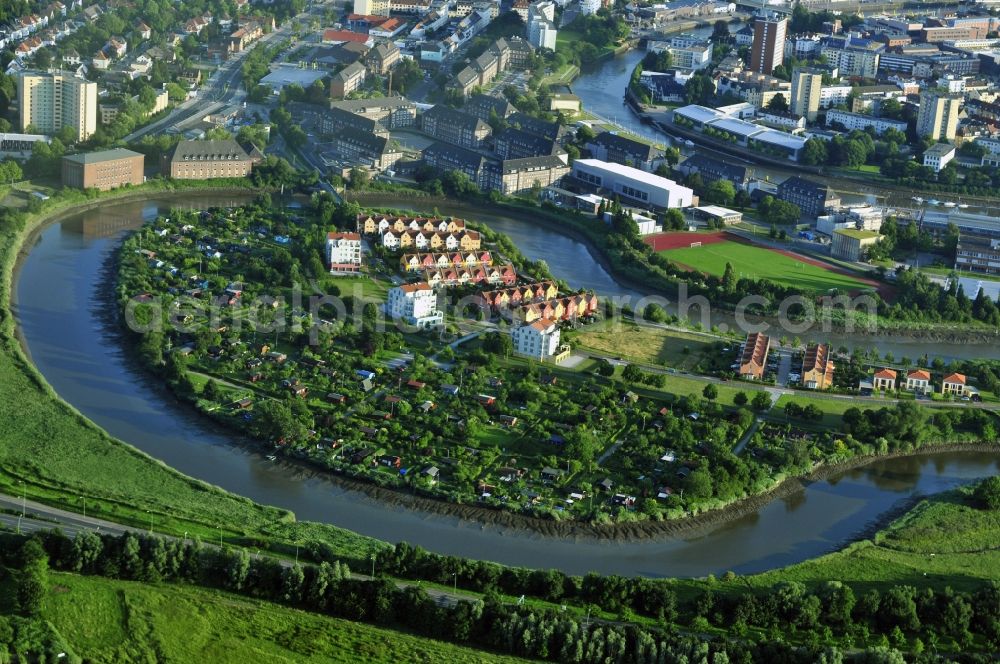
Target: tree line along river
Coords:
[(61, 306)]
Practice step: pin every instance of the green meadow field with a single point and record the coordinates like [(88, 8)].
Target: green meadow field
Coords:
[(760, 263)]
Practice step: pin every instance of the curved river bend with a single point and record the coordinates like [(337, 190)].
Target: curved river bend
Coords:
[(60, 310)]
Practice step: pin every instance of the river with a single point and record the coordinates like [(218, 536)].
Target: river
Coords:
[(61, 313)]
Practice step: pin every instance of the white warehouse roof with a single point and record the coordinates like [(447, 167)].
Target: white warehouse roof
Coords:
[(629, 172), (781, 138), (738, 127), (699, 113)]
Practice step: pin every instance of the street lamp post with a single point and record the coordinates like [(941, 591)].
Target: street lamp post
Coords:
[(373, 565), (24, 497), (150, 521)]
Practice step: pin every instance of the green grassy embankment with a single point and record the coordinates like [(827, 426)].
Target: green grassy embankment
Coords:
[(117, 621), (55, 455)]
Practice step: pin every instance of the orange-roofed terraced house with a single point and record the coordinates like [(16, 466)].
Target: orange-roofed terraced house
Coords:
[(817, 367), (754, 358)]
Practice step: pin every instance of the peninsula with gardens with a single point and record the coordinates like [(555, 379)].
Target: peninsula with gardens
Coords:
[(425, 354), (499, 331)]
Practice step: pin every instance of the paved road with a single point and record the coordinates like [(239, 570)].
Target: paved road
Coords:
[(41, 518), (223, 86), (747, 436)]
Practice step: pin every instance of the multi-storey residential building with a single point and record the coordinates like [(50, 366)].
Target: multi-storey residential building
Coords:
[(834, 95), (485, 107), (542, 33), (447, 157), (938, 156), (852, 121), (347, 80), (538, 340), (462, 129), (337, 119), (619, 149), (530, 123), (343, 253), (807, 85), (415, 304), (103, 170), (938, 115), (813, 198), (817, 367), (514, 143), (500, 56), (372, 7), (53, 100), (518, 176), (978, 254), (852, 56), (768, 47), (201, 160), (383, 57), (378, 152), (753, 359), (714, 169), (753, 87), (390, 112), (685, 54)]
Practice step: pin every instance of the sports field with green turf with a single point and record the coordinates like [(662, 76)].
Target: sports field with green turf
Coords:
[(760, 263)]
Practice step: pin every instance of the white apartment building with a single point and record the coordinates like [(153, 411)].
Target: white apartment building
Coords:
[(542, 33), (53, 100), (372, 7), (852, 121), (938, 155), (415, 304), (685, 53), (589, 6), (343, 252), (833, 95), (538, 340)]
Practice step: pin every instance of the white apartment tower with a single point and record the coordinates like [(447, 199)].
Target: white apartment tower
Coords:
[(415, 304), (372, 7), (538, 340), (938, 115), (53, 100), (807, 85)]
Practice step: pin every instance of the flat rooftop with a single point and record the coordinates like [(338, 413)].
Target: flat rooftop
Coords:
[(283, 76)]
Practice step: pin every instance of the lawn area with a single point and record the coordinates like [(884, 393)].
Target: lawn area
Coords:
[(648, 345), (370, 289), (563, 75), (114, 621), (833, 409), (53, 454), (761, 263), (943, 541)]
